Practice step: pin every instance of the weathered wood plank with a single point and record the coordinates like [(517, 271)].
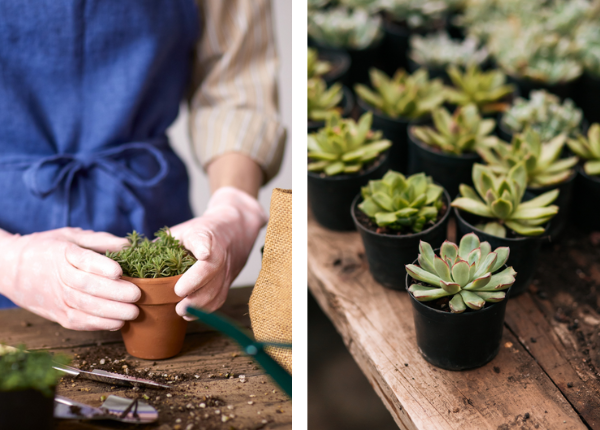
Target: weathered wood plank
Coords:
[(216, 360), (36, 332), (377, 327)]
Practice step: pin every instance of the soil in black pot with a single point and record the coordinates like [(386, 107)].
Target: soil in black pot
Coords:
[(330, 197), (388, 251)]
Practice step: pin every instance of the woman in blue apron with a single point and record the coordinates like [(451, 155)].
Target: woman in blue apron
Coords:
[(87, 92)]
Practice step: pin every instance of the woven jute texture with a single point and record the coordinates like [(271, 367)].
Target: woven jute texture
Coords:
[(271, 300)]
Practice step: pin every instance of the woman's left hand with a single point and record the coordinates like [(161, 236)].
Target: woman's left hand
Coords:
[(221, 239)]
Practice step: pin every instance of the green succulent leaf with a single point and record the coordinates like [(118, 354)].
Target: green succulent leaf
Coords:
[(422, 275), (472, 300), (460, 273), (457, 305)]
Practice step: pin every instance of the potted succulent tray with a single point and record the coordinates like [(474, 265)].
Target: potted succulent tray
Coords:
[(587, 185), (498, 211), (155, 267), (392, 216), (324, 102), (342, 157), (459, 301), (447, 150), (397, 102), (547, 169), (27, 386)]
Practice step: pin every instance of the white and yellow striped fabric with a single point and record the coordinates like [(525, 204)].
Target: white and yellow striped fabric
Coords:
[(234, 103)]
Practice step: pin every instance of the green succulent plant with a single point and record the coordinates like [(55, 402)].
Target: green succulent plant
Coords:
[(532, 52), (400, 203), (468, 272), (22, 370), (438, 50), (484, 89), (316, 67), (344, 146), (344, 28), (544, 113), (542, 159), (500, 198), (464, 131), (159, 258), (403, 95), (588, 149), (322, 101), (587, 38)]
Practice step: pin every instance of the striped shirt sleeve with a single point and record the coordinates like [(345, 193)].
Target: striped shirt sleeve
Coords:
[(234, 107)]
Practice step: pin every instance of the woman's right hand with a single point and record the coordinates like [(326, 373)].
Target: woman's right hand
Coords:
[(60, 275)]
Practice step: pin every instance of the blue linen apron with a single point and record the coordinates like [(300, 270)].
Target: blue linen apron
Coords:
[(87, 91)]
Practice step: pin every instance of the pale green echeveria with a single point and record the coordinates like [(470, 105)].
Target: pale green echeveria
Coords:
[(403, 95), (464, 131), (401, 203), (542, 159), (468, 272), (587, 37), (500, 198), (531, 52), (344, 28), (544, 113), (322, 101), (588, 149), (485, 89), (344, 146), (438, 50), (316, 67)]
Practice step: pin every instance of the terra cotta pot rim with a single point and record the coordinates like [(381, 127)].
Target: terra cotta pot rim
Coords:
[(404, 236), (486, 308)]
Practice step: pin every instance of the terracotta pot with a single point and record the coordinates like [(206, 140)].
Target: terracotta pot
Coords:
[(158, 332)]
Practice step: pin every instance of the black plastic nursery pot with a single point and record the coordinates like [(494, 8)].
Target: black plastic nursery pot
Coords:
[(340, 65), (361, 60), (524, 251), (562, 89), (448, 170), (388, 254), (458, 341), (394, 129), (330, 197), (347, 104), (586, 97), (434, 72), (26, 409), (586, 201), (563, 201)]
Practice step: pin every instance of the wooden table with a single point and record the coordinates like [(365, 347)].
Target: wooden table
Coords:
[(211, 363), (539, 380)]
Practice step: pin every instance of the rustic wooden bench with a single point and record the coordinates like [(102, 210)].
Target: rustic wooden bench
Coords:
[(208, 372), (539, 380)]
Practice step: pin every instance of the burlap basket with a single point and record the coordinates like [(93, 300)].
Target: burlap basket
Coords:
[(271, 300)]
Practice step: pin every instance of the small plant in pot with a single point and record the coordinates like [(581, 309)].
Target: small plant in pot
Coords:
[(447, 151), (398, 101), (324, 102), (437, 51), (155, 267), (392, 215), (545, 168), (496, 211), (587, 185), (487, 90), (544, 113), (460, 291), (351, 30), (330, 65), (343, 156), (27, 385)]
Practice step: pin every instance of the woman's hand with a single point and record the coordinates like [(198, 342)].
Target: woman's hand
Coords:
[(59, 275), (221, 239)]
